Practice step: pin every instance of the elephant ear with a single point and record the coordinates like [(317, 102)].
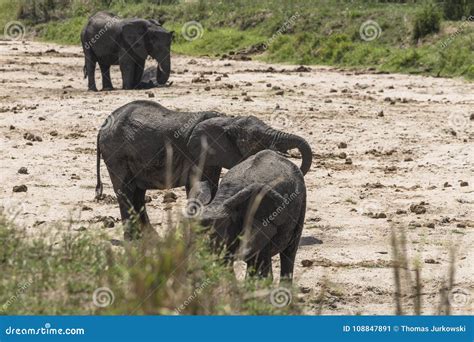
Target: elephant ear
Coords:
[(134, 34), (209, 140), (271, 205)]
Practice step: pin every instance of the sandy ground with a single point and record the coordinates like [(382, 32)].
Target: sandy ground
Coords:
[(381, 144)]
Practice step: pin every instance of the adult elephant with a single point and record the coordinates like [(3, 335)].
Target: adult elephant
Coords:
[(147, 146), (108, 40)]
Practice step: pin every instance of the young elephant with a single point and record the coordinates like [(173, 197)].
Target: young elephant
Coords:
[(109, 40), (147, 146), (258, 212)]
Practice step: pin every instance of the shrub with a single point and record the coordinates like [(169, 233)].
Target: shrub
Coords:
[(457, 9), (427, 21)]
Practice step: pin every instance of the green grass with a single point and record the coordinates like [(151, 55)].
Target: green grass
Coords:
[(153, 276), (324, 32)]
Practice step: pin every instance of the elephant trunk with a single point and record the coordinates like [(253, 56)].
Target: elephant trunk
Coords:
[(163, 70), (283, 142)]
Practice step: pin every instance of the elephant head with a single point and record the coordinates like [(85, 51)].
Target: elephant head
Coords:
[(148, 37), (234, 217), (233, 139)]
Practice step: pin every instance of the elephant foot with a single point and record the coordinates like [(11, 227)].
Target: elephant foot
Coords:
[(108, 88), (92, 89)]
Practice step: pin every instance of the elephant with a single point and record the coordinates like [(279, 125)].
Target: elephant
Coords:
[(258, 212), (147, 146), (109, 40)]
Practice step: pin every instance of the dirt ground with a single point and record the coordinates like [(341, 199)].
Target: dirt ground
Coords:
[(390, 152)]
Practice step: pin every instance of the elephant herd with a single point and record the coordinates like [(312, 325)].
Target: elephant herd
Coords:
[(255, 211)]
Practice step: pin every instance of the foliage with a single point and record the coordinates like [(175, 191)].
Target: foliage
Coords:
[(427, 20)]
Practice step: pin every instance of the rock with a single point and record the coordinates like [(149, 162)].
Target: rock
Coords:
[(269, 85), (41, 118), (447, 185), (248, 99), (279, 92), (150, 94), (471, 117), (348, 161), (328, 101), (86, 208), (400, 212), (380, 114), (342, 145), (307, 263), (12, 127), (417, 209), (148, 199), (207, 88), (430, 225), (53, 133), (431, 261), (23, 170), (217, 79), (464, 183), (302, 68), (461, 225), (32, 137), (170, 197), (305, 289), (342, 155), (332, 90), (391, 168), (20, 188), (380, 215), (192, 61), (408, 159)]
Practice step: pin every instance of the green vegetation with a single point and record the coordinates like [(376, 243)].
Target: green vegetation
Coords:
[(173, 274), (412, 38)]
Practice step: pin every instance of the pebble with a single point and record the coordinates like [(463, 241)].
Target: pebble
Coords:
[(417, 209), (464, 183), (307, 263), (170, 197), (342, 145), (20, 188), (23, 170)]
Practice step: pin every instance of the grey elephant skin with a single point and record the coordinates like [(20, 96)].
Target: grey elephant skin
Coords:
[(109, 40), (147, 146), (258, 212)]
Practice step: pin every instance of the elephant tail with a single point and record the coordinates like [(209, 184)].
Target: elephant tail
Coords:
[(85, 71), (99, 187)]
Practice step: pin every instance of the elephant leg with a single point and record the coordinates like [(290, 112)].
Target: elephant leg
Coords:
[(90, 61), (287, 257), (140, 209), (261, 264), (106, 81), (128, 74), (138, 74)]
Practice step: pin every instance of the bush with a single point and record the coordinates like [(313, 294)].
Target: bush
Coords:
[(72, 271), (457, 9), (427, 21)]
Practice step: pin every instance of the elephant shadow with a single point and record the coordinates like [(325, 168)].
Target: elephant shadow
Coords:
[(309, 241)]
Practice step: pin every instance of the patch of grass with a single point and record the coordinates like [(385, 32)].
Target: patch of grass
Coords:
[(296, 31), (73, 271)]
